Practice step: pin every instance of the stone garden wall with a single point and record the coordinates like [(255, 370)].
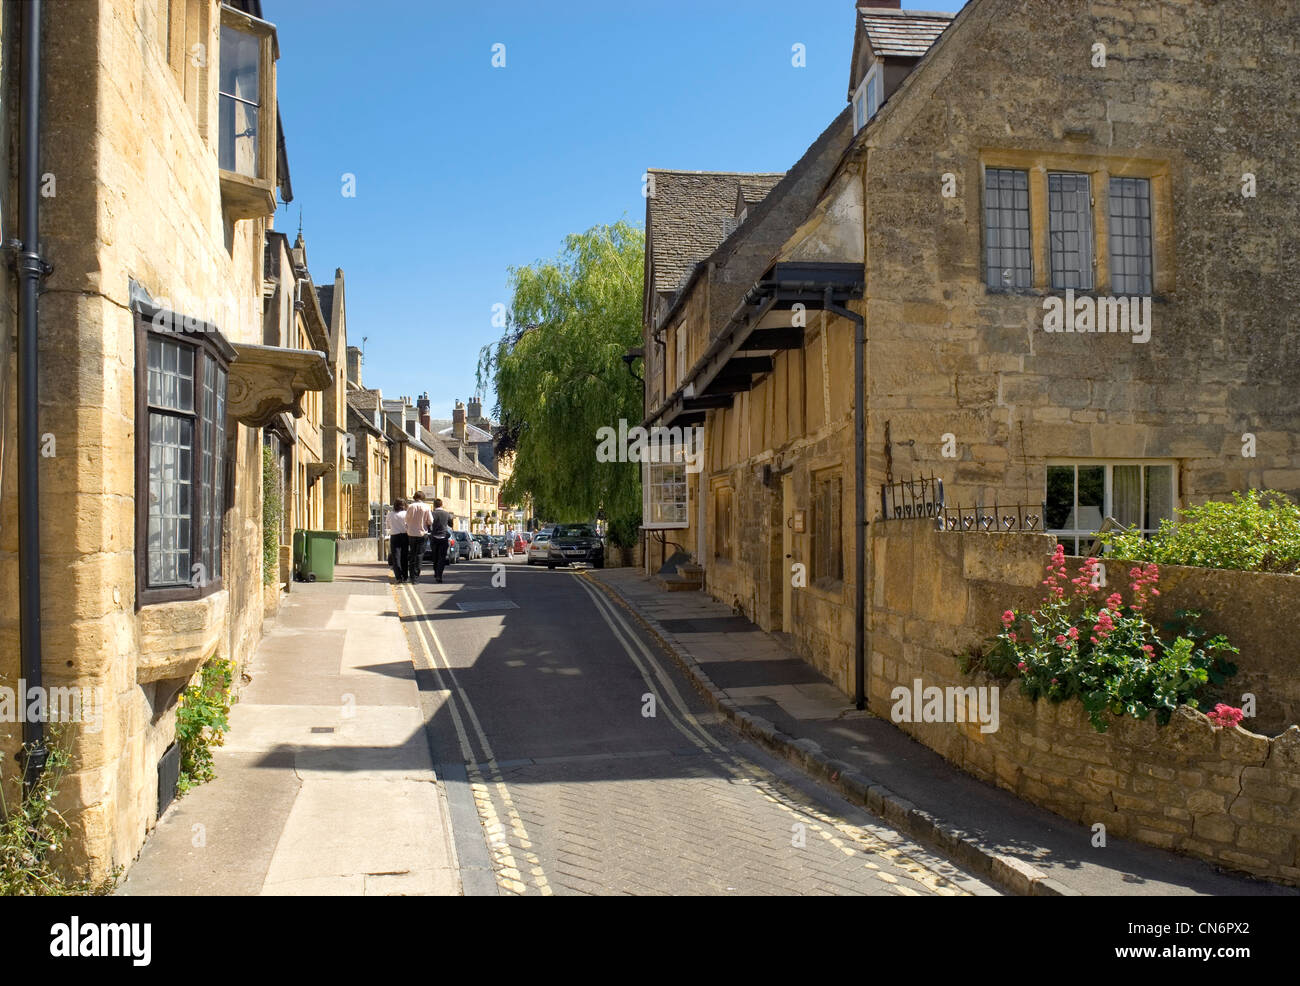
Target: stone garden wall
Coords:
[(1228, 796)]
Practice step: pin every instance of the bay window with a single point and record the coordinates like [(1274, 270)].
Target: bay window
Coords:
[(181, 468), (246, 114)]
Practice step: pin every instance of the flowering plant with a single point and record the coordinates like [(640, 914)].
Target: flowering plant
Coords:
[(1225, 716), (1104, 651)]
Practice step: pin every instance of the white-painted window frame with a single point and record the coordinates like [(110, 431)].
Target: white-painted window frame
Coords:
[(1108, 506)]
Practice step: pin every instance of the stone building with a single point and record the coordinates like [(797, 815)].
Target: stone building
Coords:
[(371, 454), (474, 482), (159, 123), (335, 448), (293, 320), (413, 449), (1128, 161)]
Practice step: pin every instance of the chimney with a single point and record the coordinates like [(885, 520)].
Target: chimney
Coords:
[(423, 405), (458, 421), (475, 410), (354, 365)]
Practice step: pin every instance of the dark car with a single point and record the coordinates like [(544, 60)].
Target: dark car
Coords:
[(575, 542), (488, 545), (453, 549), (463, 549)]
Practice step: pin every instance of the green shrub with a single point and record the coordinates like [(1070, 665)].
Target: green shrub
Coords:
[(1257, 532), (32, 833), (202, 718), (1105, 653), (271, 511)]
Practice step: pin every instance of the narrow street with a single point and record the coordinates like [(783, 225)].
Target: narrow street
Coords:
[(539, 696)]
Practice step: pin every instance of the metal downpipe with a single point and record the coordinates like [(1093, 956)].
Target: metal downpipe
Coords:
[(31, 268)]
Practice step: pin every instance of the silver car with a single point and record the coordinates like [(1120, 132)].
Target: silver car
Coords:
[(539, 548)]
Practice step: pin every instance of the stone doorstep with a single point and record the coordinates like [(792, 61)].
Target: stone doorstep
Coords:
[(1011, 874)]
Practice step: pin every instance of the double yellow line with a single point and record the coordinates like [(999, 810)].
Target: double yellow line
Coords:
[(516, 875)]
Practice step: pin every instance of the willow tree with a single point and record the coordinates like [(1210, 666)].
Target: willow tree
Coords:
[(559, 376)]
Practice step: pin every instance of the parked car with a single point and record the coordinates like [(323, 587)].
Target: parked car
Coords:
[(571, 543), (469, 548), (487, 546), (516, 543), (539, 548)]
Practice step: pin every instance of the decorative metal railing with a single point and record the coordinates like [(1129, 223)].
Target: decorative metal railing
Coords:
[(999, 518), (912, 499)]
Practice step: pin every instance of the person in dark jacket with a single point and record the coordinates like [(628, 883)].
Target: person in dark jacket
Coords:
[(440, 534)]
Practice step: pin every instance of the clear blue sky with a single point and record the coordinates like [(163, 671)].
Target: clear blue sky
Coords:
[(463, 170)]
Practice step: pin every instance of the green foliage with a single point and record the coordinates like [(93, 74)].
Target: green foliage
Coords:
[(202, 718), (32, 833), (1105, 653), (271, 511), (1257, 532), (559, 376)]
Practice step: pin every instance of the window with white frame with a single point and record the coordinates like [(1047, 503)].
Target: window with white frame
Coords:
[(666, 501), (1081, 495), (867, 99)]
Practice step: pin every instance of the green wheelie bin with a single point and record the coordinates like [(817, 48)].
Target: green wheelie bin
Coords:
[(313, 555)]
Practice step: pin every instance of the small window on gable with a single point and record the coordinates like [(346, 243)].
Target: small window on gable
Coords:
[(867, 99), (1007, 262)]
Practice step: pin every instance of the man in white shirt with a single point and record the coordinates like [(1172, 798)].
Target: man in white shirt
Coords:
[(397, 540), (418, 520)]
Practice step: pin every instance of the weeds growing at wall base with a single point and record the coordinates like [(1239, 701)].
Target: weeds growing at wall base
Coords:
[(33, 834)]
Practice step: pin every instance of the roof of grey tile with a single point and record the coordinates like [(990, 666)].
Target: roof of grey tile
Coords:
[(902, 33), (326, 295), (688, 217)]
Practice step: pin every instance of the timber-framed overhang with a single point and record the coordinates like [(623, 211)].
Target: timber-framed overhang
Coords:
[(763, 325)]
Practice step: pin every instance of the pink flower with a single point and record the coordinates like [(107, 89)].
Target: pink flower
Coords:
[(1073, 633), (1011, 637), (1008, 618), (1022, 665), (1148, 648), (1225, 716), (1060, 638)]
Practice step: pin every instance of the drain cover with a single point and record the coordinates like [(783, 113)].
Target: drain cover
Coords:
[(475, 607)]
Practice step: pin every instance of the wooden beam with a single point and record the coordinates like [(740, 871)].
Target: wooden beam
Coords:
[(707, 401), (774, 339), (729, 385)]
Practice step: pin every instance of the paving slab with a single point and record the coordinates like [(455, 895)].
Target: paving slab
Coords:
[(325, 783)]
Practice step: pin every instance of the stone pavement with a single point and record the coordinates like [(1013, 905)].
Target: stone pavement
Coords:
[(784, 704), (325, 784)]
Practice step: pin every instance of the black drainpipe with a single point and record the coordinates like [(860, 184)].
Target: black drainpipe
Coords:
[(31, 268), (859, 501)]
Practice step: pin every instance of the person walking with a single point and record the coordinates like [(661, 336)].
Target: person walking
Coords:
[(418, 518), (440, 535), (397, 541)]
